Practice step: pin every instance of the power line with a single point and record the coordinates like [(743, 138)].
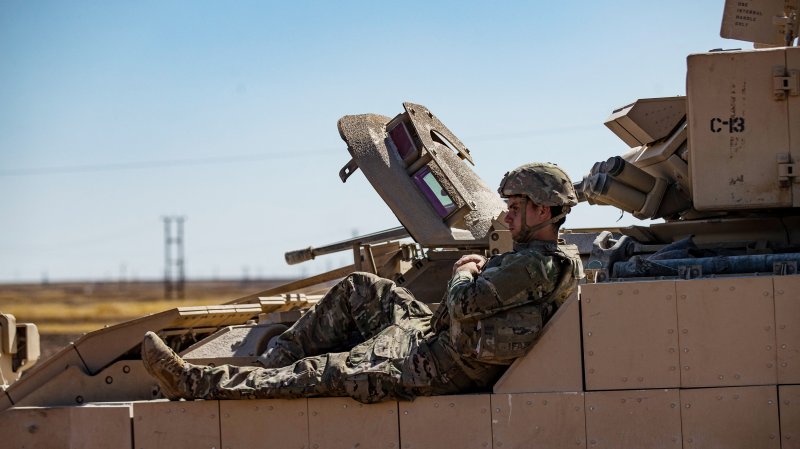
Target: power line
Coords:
[(87, 168), (156, 164)]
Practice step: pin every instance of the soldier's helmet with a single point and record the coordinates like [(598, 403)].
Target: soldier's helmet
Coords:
[(544, 183)]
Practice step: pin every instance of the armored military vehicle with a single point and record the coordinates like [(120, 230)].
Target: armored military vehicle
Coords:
[(686, 332)]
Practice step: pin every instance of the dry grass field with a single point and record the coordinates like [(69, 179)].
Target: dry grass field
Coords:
[(64, 311)]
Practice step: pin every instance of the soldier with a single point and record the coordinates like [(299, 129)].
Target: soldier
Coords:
[(371, 340)]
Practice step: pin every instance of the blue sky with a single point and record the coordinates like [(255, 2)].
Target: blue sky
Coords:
[(115, 114)]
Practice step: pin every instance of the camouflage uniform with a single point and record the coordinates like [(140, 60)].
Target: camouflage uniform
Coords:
[(398, 349), (371, 340)]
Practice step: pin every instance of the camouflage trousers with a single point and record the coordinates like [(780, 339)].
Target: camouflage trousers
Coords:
[(366, 338)]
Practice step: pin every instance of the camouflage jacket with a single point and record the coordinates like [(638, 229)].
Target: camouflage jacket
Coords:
[(496, 316)]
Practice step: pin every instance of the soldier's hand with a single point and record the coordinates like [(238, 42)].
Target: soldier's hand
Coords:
[(472, 263)]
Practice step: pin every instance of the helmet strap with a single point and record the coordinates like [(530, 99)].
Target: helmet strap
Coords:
[(526, 232)]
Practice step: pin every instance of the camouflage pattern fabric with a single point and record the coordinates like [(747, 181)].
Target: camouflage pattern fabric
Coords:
[(544, 183), (371, 340)]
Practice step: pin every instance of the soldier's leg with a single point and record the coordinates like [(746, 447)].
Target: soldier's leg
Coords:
[(182, 380), (354, 310)]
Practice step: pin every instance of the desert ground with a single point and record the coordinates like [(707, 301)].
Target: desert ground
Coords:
[(65, 311)]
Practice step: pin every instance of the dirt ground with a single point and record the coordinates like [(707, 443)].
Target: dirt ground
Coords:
[(65, 311)]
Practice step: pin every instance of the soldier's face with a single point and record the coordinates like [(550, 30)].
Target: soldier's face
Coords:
[(534, 214)]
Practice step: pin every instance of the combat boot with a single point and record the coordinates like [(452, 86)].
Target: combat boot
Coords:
[(173, 373)]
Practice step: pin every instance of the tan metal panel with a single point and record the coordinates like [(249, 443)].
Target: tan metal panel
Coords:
[(633, 419), (125, 380), (554, 362), (787, 330), (462, 421), (41, 374), (343, 423), (176, 425), (793, 64), (736, 130), (730, 418), (100, 427), (5, 401), (67, 428), (789, 397), (551, 420), (630, 337), (35, 427), (273, 423), (727, 332)]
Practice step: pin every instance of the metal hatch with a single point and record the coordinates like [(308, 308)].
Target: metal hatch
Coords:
[(417, 166)]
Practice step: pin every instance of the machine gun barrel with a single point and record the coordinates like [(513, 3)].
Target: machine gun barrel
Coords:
[(302, 255)]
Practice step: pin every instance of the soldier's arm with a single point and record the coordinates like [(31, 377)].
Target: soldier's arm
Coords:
[(520, 278)]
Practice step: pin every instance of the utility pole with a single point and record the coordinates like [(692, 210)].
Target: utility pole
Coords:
[(174, 281)]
